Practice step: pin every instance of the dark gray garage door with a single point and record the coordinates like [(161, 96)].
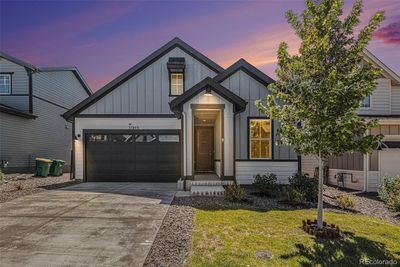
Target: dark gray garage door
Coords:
[(133, 157)]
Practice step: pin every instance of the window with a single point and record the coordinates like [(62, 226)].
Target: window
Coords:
[(366, 103), (260, 138), (176, 83), (5, 84)]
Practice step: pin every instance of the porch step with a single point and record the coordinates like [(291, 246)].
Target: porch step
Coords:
[(207, 190), (209, 183)]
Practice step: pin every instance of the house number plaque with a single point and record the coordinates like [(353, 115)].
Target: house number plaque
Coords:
[(132, 126)]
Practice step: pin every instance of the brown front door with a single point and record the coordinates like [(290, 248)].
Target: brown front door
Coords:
[(204, 149)]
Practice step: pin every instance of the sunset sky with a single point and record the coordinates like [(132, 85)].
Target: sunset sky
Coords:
[(105, 38)]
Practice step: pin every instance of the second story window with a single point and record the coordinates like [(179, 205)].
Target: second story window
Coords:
[(176, 83), (366, 103), (176, 70), (5, 84)]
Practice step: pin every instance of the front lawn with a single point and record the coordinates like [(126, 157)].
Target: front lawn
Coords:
[(231, 237)]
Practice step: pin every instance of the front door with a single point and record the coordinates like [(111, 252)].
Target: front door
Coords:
[(204, 149)]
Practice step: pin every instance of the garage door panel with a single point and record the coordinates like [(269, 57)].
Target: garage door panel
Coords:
[(133, 158)]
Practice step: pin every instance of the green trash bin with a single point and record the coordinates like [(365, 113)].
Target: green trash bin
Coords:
[(56, 168), (43, 167)]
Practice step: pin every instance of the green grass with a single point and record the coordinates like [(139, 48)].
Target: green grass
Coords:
[(232, 237)]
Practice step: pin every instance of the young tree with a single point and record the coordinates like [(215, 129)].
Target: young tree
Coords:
[(318, 90)]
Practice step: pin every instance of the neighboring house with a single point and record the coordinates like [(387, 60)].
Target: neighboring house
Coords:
[(177, 114), (32, 101), (364, 172)]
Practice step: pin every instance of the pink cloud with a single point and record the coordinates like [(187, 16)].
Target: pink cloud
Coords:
[(389, 34)]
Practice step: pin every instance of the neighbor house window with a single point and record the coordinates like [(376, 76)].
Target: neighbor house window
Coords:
[(176, 70), (176, 83), (366, 103), (5, 84), (260, 138)]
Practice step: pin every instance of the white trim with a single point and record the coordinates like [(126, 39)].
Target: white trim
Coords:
[(392, 75)]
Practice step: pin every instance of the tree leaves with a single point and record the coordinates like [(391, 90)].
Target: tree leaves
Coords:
[(318, 90)]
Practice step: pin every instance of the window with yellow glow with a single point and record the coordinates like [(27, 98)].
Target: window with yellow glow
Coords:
[(176, 83), (260, 139)]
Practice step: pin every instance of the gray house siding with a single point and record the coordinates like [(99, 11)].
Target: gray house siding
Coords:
[(59, 87), (22, 140), (380, 99), (148, 91), (395, 100), (19, 85), (251, 90)]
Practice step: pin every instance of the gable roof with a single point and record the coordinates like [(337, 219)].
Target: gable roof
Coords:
[(31, 67), (393, 76), (75, 71), (176, 42), (18, 61), (245, 66), (238, 102), (16, 112)]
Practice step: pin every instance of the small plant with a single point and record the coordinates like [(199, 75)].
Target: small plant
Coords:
[(235, 193), (345, 202), (307, 185), (389, 192), (18, 187), (294, 195), (2, 177), (266, 184)]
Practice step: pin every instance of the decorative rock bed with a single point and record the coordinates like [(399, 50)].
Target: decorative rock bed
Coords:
[(327, 231)]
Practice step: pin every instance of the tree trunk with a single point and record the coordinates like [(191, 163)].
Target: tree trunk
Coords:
[(320, 217)]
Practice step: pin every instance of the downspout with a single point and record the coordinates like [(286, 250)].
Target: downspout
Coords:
[(365, 168), (234, 147), (72, 167), (184, 127), (30, 92)]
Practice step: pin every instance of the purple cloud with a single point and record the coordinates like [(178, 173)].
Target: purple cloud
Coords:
[(390, 33)]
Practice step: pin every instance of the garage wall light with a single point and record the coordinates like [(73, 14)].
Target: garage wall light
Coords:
[(77, 137)]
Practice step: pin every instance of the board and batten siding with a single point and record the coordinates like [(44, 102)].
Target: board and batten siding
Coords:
[(20, 85), (380, 99), (148, 91), (251, 90), (59, 87), (49, 136), (114, 124), (246, 170)]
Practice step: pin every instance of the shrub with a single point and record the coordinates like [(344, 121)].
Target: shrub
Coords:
[(307, 185), (294, 195), (234, 193), (345, 201), (2, 177), (266, 184), (389, 192)]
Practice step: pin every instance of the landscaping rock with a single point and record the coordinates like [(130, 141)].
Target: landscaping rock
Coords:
[(22, 184), (264, 255)]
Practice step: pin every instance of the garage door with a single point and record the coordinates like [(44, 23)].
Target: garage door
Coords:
[(133, 157), (390, 162)]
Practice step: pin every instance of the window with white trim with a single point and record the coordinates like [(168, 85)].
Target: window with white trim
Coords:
[(260, 142), (5, 84), (176, 83)]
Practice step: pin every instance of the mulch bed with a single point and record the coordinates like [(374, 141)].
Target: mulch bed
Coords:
[(22, 184)]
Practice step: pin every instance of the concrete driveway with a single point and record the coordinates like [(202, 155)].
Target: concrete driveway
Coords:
[(89, 224)]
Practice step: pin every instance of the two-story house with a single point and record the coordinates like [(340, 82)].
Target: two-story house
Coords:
[(178, 114), (32, 101), (365, 171)]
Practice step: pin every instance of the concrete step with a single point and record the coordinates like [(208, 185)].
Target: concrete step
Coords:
[(207, 190), (208, 183)]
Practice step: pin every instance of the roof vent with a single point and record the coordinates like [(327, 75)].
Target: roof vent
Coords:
[(176, 64)]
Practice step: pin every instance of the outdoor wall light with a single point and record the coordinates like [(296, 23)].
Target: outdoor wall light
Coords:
[(208, 92), (77, 136)]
